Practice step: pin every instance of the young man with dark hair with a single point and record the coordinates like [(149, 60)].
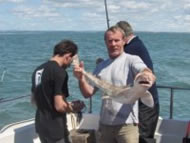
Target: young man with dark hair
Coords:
[(50, 90)]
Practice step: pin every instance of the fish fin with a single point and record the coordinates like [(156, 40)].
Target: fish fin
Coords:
[(147, 99)]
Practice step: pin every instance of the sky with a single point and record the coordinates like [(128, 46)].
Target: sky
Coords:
[(89, 15)]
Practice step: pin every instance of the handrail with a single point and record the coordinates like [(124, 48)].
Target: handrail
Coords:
[(172, 88), (90, 105), (2, 100)]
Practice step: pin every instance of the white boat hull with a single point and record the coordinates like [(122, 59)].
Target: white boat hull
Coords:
[(168, 131)]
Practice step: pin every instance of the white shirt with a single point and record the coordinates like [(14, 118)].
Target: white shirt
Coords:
[(121, 72)]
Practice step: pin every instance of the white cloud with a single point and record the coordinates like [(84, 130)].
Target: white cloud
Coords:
[(74, 4), (90, 14), (13, 1), (114, 8), (187, 6), (137, 5), (66, 5), (33, 12), (187, 18)]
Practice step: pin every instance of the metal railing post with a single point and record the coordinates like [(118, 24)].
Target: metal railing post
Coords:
[(90, 105), (171, 103), (172, 88)]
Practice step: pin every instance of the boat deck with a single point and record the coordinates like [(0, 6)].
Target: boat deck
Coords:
[(168, 130)]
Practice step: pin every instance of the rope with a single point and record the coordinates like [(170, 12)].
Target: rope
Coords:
[(73, 121)]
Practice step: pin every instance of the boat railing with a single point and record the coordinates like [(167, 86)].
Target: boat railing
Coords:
[(2, 100), (171, 88)]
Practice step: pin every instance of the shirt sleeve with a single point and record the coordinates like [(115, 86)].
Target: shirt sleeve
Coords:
[(59, 80), (137, 65)]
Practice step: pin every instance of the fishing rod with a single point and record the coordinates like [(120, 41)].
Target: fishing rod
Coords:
[(107, 16), (108, 25)]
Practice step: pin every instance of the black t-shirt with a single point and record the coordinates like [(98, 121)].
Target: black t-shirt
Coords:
[(49, 80)]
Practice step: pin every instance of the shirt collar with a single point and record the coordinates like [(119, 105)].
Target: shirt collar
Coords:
[(130, 39)]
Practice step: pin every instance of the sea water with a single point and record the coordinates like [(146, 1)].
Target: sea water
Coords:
[(22, 52)]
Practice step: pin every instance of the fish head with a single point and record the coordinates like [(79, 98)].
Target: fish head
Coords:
[(145, 79)]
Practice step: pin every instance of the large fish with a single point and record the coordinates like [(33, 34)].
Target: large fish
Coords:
[(126, 94)]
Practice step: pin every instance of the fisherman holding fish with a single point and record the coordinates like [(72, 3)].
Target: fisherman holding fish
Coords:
[(148, 117), (118, 118)]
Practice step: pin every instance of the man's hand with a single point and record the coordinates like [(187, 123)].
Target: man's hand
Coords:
[(78, 71)]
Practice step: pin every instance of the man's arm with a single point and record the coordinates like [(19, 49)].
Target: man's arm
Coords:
[(86, 89), (61, 105)]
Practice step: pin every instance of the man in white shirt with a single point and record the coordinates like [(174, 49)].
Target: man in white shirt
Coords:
[(118, 122)]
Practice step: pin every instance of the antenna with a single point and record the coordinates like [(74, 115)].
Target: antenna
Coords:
[(107, 17)]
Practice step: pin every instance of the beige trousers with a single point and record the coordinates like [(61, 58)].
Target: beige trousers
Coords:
[(127, 133)]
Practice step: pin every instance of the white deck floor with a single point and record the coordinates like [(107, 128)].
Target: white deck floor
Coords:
[(168, 131)]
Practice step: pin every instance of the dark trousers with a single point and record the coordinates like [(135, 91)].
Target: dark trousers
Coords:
[(45, 139), (148, 118)]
